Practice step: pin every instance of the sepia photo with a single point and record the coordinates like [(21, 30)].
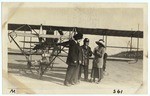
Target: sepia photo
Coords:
[(74, 48)]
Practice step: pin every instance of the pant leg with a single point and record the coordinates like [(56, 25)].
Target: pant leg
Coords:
[(74, 77), (86, 72), (80, 72), (92, 72), (69, 74)]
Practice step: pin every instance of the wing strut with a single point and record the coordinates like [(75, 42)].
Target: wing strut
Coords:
[(20, 48)]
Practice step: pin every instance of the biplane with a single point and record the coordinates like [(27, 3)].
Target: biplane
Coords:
[(50, 39)]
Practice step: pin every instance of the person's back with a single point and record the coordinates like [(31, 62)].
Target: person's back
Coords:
[(73, 53)]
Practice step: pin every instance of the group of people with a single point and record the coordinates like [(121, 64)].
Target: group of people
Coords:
[(78, 60)]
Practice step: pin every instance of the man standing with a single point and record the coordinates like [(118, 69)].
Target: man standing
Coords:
[(73, 59), (86, 51)]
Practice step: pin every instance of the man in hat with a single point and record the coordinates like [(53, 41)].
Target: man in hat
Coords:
[(97, 68), (73, 60), (86, 51)]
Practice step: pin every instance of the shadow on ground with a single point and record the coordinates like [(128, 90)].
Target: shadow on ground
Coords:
[(55, 75)]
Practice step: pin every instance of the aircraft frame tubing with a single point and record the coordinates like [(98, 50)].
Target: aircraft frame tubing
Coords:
[(19, 48), (42, 71)]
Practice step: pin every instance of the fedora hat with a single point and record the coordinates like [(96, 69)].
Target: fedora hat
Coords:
[(100, 42), (78, 36)]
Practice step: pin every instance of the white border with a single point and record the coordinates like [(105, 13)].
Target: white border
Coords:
[(135, 1)]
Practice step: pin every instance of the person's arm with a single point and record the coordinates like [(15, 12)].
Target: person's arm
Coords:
[(105, 55), (90, 52), (73, 56), (63, 43), (75, 52), (94, 52), (99, 54), (103, 51), (80, 55)]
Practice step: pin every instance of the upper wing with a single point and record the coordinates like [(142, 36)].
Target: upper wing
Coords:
[(38, 35), (92, 31)]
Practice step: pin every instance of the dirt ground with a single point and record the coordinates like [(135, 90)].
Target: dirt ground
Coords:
[(120, 76)]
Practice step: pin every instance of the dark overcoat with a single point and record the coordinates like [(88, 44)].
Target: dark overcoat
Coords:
[(86, 54), (74, 52)]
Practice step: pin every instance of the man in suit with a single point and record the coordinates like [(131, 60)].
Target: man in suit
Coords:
[(86, 51), (73, 59)]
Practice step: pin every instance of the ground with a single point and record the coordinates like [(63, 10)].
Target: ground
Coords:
[(121, 75)]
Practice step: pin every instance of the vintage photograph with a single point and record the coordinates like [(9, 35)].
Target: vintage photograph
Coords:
[(74, 48)]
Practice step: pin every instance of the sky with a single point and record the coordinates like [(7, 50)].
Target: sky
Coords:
[(79, 15)]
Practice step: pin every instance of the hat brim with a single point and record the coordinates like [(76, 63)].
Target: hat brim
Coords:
[(78, 36), (99, 43)]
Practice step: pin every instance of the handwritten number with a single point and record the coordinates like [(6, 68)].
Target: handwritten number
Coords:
[(118, 91), (121, 91), (114, 91)]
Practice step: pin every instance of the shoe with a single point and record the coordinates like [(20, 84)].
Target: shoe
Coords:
[(78, 82), (91, 81), (72, 83), (86, 80), (98, 81), (67, 84)]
